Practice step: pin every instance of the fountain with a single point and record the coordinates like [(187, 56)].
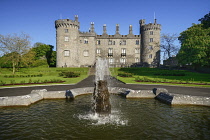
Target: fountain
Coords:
[(125, 119), (101, 95)]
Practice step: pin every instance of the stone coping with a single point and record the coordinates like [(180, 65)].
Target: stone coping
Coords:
[(160, 94)]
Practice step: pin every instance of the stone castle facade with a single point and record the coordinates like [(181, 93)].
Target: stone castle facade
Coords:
[(81, 49)]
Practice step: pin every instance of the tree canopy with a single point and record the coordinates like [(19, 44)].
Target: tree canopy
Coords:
[(205, 20), (44, 54), (13, 47), (39, 55), (195, 44)]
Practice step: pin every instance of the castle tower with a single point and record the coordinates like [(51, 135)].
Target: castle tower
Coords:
[(67, 33), (150, 43)]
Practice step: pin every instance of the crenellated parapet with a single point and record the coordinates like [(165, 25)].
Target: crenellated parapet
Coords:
[(67, 23), (150, 26), (87, 34)]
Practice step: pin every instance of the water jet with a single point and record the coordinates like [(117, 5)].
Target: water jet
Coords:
[(101, 95)]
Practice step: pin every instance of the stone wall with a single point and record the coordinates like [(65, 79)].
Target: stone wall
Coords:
[(157, 93)]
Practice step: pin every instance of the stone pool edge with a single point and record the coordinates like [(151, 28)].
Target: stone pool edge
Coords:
[(160, 94)]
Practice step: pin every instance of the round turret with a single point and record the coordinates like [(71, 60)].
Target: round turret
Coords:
[(67, 33), (150, 43)]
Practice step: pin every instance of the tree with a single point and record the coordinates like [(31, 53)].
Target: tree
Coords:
[(205, 20), (52, 61), (195, 46), (167, 45), (28, 59), (44, 54), (15, 45)]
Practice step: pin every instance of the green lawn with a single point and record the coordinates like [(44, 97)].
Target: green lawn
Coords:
[(39, 74), (161, 76)]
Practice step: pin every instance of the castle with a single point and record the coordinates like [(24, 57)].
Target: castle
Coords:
[(81, 49)]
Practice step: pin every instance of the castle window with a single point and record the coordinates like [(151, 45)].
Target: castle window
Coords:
[(66, 38), (98, 51), (111, 60), (150, 56), (151, 40), (151, 32), (110, 52), (98, 42), (122, 60), (86, 53), (67, 53), (123, 52), (137, 42), (150, 48), (110, 42), (124, 42), (137, 50), (86, 41), (66, 30), (136, 60)]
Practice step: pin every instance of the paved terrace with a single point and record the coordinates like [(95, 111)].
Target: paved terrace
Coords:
[(89, 82)]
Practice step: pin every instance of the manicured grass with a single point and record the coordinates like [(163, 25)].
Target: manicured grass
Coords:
[(161, 76), (24, 75)]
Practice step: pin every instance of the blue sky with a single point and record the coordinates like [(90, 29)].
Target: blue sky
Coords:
[(36, 17)]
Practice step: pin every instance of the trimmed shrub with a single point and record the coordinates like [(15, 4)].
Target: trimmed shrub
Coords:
[(125, 74), (2, 83), (12, 82), (23, 82), (69, 74)]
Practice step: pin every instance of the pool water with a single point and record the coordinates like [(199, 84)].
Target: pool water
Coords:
[(130, 119)]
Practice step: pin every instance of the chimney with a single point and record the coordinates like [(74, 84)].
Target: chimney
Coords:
[(130, 29), (104, 29), (92, 27), (76, 18), (117, 29)]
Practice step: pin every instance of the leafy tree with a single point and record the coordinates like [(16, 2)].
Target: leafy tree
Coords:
[(195, 46), (13, 47), (4, 61), (28, 59), (52, 61), (168, 46), (205, 20), (41, 50), (44, 54)]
